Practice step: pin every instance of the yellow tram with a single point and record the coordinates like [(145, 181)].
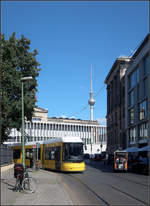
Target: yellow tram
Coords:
[(30, 150), (61, 154)]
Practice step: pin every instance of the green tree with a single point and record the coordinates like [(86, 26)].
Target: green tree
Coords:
[(16, 61)]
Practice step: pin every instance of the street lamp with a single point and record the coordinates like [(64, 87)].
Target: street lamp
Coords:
[(23, 79)]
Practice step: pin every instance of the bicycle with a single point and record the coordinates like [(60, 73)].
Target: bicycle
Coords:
[(25, 182)]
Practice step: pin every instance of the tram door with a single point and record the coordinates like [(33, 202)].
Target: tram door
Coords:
[(58, 158)]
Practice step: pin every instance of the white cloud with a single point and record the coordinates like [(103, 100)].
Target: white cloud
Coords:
[(72, 117), (63, 116)]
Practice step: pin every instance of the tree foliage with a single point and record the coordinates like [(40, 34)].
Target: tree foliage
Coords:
[(16, 61)]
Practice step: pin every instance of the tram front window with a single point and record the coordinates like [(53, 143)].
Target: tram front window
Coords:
[(73, 152)]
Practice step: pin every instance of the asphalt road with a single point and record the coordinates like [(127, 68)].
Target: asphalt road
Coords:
[(100, 185)]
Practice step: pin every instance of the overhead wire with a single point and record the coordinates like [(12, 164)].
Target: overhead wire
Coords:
[(85, 107)]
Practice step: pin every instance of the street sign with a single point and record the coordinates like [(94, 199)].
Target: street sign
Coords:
[(37, 145)]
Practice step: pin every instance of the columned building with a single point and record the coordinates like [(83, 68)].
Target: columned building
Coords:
[(138, 96), (115, 80), (42, 128)]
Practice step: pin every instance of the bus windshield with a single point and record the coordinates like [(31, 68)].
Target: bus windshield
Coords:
[(121, 154), (73, 152)]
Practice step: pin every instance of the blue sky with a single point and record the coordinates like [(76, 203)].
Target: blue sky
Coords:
[(70, 36)]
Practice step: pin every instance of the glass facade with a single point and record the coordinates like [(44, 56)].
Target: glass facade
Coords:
[(146, 65), (143, 111), (138, 103), (134, 78), (132, 98), (131, 116), (143, 131), (132, 135)]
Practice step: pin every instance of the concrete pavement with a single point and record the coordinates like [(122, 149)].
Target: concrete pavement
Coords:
[(50, 189)]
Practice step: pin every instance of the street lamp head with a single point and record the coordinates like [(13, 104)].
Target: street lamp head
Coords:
[(26, 78)]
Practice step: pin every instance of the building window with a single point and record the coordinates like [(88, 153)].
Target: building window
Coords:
[(38, 126), (131, 98), (143, 133), (41, 125), (47, 126), (134, 78), (131, 116), (132, 135), (145, 87), (143, 110), (68, 127), (138, 92), (146, 64), (36, 119)]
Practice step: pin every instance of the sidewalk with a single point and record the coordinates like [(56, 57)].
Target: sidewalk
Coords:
[(50, 190)]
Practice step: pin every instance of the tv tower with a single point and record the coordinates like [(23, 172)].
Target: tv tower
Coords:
[(91, 101)]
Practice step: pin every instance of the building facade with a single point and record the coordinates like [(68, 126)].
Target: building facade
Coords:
[(138, 96), (115, 80), (42, 128)]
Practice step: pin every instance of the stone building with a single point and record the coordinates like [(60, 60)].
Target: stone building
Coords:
[(115, 80), (42, 128)]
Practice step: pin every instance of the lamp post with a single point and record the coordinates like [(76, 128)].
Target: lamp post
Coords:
[(101, 146), (23, 79)]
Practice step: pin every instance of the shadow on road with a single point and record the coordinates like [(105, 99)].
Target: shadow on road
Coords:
[(6, 182), (99, 165)]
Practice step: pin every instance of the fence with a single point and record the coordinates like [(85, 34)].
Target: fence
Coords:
[(6, 155)]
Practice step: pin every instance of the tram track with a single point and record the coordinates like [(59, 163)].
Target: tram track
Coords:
[(91, 190), (129, 180), (103, 200)]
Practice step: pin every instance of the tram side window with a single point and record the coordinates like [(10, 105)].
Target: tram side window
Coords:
[(29, 153), (49, 153), (52, 153), (57, 153), (16, 153)]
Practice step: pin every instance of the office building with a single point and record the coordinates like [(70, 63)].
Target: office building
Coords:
[(115, 80), (138, 96)]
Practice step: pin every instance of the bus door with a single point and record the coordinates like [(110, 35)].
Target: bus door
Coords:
[(58, 158)]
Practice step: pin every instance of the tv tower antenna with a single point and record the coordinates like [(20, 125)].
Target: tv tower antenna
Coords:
[(91, 101)]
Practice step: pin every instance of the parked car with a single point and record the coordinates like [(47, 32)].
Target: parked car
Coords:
[(103, 155), (141, 165), (97, 157)]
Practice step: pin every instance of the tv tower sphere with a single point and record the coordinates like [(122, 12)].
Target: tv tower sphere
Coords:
[(91, 101)]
